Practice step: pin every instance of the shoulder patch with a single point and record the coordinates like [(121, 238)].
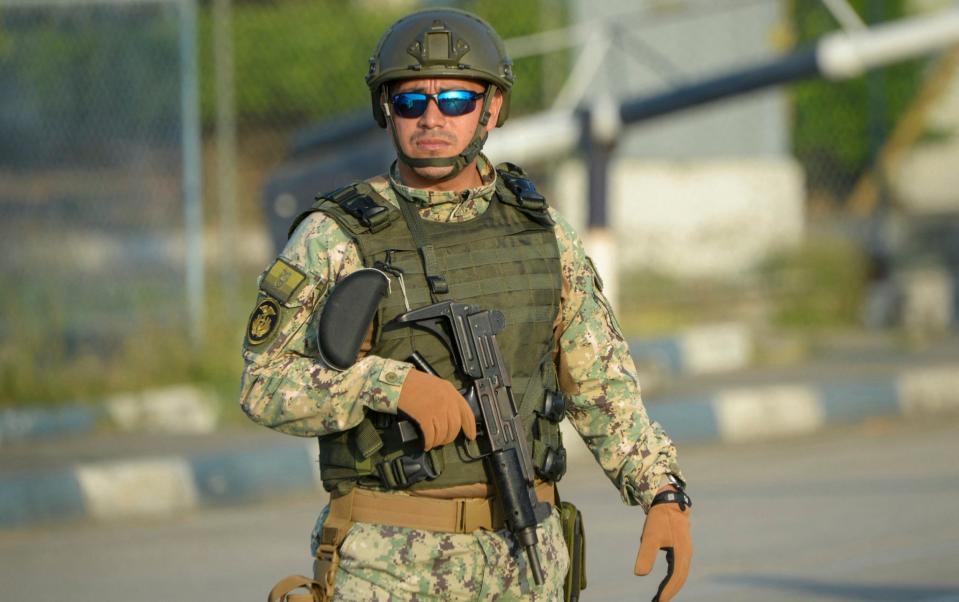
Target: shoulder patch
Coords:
[(263, 321), (282, 280)]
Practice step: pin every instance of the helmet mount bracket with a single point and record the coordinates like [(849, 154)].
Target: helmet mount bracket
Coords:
[(437, 46)]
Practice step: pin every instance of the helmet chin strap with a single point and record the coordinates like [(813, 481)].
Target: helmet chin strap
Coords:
[(458, 162)]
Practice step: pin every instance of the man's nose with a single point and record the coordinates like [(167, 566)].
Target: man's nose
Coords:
[(432, 116)]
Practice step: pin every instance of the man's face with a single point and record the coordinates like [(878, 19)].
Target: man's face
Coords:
[(434, 134)]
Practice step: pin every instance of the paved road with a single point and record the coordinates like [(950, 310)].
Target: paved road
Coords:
[(854, 514)]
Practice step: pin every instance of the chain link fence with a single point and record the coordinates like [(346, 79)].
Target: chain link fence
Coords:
[(839, 128), (91, 188)]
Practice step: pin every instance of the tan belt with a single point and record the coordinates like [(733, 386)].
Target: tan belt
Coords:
[(457, 515)]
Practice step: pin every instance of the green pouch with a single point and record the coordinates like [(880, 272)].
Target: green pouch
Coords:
[(575, 537)]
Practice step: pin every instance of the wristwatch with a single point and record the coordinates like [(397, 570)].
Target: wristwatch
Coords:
[(673, 497)]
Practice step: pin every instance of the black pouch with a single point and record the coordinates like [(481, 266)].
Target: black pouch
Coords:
[(575, 537)]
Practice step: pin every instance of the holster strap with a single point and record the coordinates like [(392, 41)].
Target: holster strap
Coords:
[(327, 560), (283, 591), (458, 515)]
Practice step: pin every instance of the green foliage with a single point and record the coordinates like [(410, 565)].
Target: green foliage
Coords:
[(52, 355), (299, 60), (832, 134), (295, 59), (820, 285), (653, 303), (80, 71), (817, 286)]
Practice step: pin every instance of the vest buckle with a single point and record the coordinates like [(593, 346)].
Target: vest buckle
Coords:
[(374, 217), (438, 285), (526, 194), (400, 473), (554, 465), (554, 407), (369, 213)]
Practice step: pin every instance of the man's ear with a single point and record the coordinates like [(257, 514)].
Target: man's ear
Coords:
[(494, 110)]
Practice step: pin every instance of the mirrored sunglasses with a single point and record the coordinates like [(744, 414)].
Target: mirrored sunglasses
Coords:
[(451, 103)]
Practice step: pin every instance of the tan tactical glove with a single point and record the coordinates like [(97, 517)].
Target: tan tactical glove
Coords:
[(667, 528), (437, 407)]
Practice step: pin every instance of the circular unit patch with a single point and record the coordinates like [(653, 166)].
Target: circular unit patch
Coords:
[(263, 321)]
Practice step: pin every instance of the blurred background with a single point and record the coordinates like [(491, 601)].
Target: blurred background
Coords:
[(153, 153)]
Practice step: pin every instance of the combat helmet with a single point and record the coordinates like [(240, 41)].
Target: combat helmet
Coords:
[(442, 42)]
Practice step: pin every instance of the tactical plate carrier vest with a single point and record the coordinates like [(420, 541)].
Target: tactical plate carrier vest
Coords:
[(505, 259)]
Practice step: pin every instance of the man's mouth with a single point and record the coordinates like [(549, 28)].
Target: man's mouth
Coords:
[(431, 144)]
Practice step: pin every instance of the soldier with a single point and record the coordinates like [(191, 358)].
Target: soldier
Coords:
[(444, 224)]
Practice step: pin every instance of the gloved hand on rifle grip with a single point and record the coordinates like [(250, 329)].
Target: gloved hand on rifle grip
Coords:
[(666, 528), (437, 407)]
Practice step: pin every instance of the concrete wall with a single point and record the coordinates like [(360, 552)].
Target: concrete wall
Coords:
[(710, 191), (694, 218), (927, 179)]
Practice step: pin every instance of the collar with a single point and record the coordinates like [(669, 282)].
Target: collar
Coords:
[(429, 198)]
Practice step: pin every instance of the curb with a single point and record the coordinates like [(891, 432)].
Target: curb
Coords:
[(156, 486), (24, 424), (163, 485), (741, 414), (174, 409), (708, 349)]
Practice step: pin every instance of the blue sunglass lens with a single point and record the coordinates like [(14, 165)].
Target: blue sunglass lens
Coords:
[(409, 104), (457, 102), (452, 103)]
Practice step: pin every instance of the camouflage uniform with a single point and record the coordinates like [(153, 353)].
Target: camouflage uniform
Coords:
[(286, 388), (385, 563)]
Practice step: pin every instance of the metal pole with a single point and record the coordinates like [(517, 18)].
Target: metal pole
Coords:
[(798, 65), (192, 191), (601, 130), (598, 153), (226, 147), (876, 109)]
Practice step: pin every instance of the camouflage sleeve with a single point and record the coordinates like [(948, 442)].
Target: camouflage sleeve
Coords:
[(597, 372), (285, 385)]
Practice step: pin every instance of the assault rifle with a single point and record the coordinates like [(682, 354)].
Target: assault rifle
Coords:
[(470, 335)]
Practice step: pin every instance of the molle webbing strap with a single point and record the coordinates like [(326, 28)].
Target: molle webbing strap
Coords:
[(366, 439), (439, 288), (516, 189), (359, 201), (283, 590), (337, 524), (547, 437)]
